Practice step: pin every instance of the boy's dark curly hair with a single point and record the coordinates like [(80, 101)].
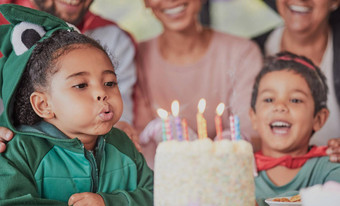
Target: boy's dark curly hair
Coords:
[(315, 79), (42, 64)]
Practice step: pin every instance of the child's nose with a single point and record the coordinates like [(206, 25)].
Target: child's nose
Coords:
[(280, 107), (103, 98), (100, 94)]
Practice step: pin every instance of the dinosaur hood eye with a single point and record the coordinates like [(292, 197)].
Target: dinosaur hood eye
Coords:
[(25, 35)]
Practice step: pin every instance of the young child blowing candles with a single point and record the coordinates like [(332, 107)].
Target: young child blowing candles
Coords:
[(61, 99)]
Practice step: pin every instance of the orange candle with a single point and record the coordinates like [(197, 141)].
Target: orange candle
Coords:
[(185, 129), (218, 120)]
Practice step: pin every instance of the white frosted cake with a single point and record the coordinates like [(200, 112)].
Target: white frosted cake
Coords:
[(204, 173)]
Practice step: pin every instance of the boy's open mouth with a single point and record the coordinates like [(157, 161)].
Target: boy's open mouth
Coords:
[(280, 127)]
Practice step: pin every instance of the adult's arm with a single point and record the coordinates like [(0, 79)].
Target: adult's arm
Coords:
[(247, 59)]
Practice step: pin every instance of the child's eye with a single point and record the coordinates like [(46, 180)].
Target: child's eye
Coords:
[(80, 86), (268, 100), (295, 100), (110, 84)]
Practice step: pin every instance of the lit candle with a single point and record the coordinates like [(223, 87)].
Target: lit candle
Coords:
[(201, 122), (232, 127), (175, 111), (185, 129), (218, 120), (237, 128), (165, 124)]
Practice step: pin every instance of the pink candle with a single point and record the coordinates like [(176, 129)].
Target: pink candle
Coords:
[(218, 120), (175, 112), (232, 127)]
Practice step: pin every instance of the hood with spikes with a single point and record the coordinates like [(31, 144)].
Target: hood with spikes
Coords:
[(17, 41)]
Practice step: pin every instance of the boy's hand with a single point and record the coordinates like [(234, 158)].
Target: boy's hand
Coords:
[(333, 150), (130, 131), (86, 198), (5, 136)]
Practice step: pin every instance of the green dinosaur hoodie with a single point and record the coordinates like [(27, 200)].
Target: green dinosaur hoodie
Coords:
[(42, 166)]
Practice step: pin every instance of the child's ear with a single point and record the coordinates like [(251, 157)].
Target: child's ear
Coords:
[(39, 102), (320, 119), (253, 118)]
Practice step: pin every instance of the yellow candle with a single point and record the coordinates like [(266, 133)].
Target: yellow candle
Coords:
[(201, 122)]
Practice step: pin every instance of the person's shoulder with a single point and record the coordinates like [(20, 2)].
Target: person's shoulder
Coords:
[(230, 38), (148, 43), (261, 39), (96, 25), (232, 42), (28, 148), (323, 165), (122, 143), (323, 169), (26, 142), (119, 139)]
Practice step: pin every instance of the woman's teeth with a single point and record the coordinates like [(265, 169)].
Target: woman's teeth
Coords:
[(174, 10), (300, 9), (71, 2)]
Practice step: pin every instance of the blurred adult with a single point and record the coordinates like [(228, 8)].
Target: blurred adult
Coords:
[(307, 31), (188, 62), (116, 41)]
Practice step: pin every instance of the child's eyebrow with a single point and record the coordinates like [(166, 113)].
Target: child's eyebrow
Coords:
[(77, 74), (86, 73), (265, 90), (301, 91), (109, 72)]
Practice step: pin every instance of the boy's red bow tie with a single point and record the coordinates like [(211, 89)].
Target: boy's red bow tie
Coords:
[(265, 162)]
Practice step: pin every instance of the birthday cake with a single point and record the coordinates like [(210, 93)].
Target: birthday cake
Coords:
[(204, 173)]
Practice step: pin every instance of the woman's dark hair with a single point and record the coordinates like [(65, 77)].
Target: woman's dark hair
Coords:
[(315, 79), (41, 66)]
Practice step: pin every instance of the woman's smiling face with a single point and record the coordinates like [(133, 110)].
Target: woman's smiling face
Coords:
[(306, 15), (176, 15)]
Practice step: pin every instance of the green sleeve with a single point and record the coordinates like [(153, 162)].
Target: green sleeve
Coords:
[(143, 195), (17, 168)]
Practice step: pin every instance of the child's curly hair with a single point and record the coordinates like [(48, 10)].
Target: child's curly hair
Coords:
[(41, 66), (315, 79)]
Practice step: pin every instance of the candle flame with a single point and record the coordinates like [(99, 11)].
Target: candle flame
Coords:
[(175, 108), (220, 109), (201, 105), (162, 113)]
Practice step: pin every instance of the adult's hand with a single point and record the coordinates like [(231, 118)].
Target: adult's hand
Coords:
[(5, 136), (333, 150)]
